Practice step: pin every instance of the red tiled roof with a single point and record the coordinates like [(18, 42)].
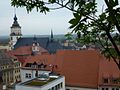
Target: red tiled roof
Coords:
[(108, 69), (83, 68), (80, 68), (46, 59), (26, 50), (23, 52)]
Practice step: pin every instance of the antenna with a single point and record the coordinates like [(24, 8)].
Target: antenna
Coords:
[(14, 10)]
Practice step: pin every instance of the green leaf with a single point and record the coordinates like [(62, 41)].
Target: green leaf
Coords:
[(52, 1)]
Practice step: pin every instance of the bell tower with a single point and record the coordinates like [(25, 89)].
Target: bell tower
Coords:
[(15, 32)]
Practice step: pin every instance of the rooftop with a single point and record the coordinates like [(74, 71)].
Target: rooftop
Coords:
[(39, 82)]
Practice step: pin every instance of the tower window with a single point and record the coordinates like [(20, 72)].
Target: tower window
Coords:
[(17, 38), (11, 38)]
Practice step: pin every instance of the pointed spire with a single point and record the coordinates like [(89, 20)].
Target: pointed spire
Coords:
[(15, 18), (15, 23), (51, 35), (34, 39)]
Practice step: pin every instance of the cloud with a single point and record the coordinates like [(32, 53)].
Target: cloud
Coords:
[(34, 22)]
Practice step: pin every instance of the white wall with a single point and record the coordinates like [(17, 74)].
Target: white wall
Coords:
[(44, 87), (76, 88), (32, 72), (109, 88), (16, 30), (100, 88), (54, 83)]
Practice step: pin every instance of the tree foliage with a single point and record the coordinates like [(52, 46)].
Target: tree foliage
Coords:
[(89, 26)]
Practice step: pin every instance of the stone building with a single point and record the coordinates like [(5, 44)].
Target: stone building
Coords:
[(10, 68)]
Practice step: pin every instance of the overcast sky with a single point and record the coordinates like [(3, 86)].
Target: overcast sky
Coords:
[(34, 23)]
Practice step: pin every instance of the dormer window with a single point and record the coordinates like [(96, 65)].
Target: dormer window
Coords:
[(115, 80), (35, 48), (28, 65), (42, 66), (33, 44), (37, 44), (105, 80), (15, 60), (34, 65), (11, 38)]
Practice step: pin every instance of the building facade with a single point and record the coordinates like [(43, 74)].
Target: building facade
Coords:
[(53, 83), (37, 76), (10, 68)]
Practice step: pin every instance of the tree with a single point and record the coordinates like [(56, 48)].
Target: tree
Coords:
[(89, 27)]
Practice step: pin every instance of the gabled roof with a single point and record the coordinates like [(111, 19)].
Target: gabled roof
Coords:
[(53, 46), (40, 59), (81, 68), (44, 42), (28, 41), (24, 50)]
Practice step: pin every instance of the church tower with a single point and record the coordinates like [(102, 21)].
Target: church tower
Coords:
[(15, 32)]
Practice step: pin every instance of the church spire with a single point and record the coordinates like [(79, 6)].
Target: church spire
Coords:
[(15, 18), (15, 23), (35, 39), (15, 32), (51, 35)]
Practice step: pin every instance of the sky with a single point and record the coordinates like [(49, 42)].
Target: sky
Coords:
[(34, 23)]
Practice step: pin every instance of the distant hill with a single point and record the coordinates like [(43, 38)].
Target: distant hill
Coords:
[(55, 36), (4, 40), (4, 37)]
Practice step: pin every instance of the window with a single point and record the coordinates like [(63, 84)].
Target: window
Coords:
[(105, 80), (11, 38), (56, 87), (107, 88), (67, 89), (28, 75), (61, 85), (115, 80), (17, 38), (113, 89), (15, 59), (103, 89), (52, 88)]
